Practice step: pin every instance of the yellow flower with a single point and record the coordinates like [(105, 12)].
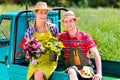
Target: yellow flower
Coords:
[(60, 44), (49, 44), (46, 46), (53, 48)]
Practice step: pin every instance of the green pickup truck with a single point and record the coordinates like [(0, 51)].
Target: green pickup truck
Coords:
[(13, 67)]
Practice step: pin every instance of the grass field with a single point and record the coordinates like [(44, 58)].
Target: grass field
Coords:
[(103, 24)]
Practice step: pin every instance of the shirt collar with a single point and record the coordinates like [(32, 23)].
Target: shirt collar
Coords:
[(77, 34)]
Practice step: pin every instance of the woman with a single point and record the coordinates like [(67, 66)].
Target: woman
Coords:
[(73, 38), (41, 30)]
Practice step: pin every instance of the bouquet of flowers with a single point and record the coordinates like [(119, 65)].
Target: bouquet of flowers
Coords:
[(33, 49), (53, 46)]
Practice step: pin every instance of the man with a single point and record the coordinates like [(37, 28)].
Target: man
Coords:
[(69, 38)]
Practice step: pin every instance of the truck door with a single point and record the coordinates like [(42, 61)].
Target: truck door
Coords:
[(4, 47), (18, 64)]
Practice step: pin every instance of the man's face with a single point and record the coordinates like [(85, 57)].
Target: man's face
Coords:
[(69, 24)]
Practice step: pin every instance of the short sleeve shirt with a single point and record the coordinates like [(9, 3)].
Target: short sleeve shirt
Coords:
[(85, 42)]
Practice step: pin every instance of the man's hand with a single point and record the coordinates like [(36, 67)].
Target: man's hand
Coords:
[(97, 76)]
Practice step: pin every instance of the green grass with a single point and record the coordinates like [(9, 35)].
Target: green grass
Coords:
[(9, 8), (102, 24)]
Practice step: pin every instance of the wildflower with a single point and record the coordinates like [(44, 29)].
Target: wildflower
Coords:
[(53, 48), (18, 53), (27, 55), (24, 40), (60, 44)]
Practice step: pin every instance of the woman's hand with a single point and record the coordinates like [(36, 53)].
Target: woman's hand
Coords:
[(33, 61)]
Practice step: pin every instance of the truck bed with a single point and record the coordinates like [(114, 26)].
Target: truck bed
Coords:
[(110, 78)]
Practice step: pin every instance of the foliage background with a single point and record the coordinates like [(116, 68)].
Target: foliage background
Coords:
[(68, 3)]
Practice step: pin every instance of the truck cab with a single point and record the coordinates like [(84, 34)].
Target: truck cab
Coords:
[(12, 30)]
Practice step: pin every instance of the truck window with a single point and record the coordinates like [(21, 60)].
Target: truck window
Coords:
[(5, 29), (4, 32)]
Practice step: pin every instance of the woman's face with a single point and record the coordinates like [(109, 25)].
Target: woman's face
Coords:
[(69, 24), (41, 15)]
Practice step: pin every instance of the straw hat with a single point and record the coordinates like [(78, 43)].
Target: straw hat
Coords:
[(40, 6), (69, 15)]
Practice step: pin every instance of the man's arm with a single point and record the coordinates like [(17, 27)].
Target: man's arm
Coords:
[(97, 58)]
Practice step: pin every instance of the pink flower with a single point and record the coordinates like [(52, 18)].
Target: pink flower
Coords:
[(34, 46), (26, 46), (38, 50), (27, 55), (37, 43)]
